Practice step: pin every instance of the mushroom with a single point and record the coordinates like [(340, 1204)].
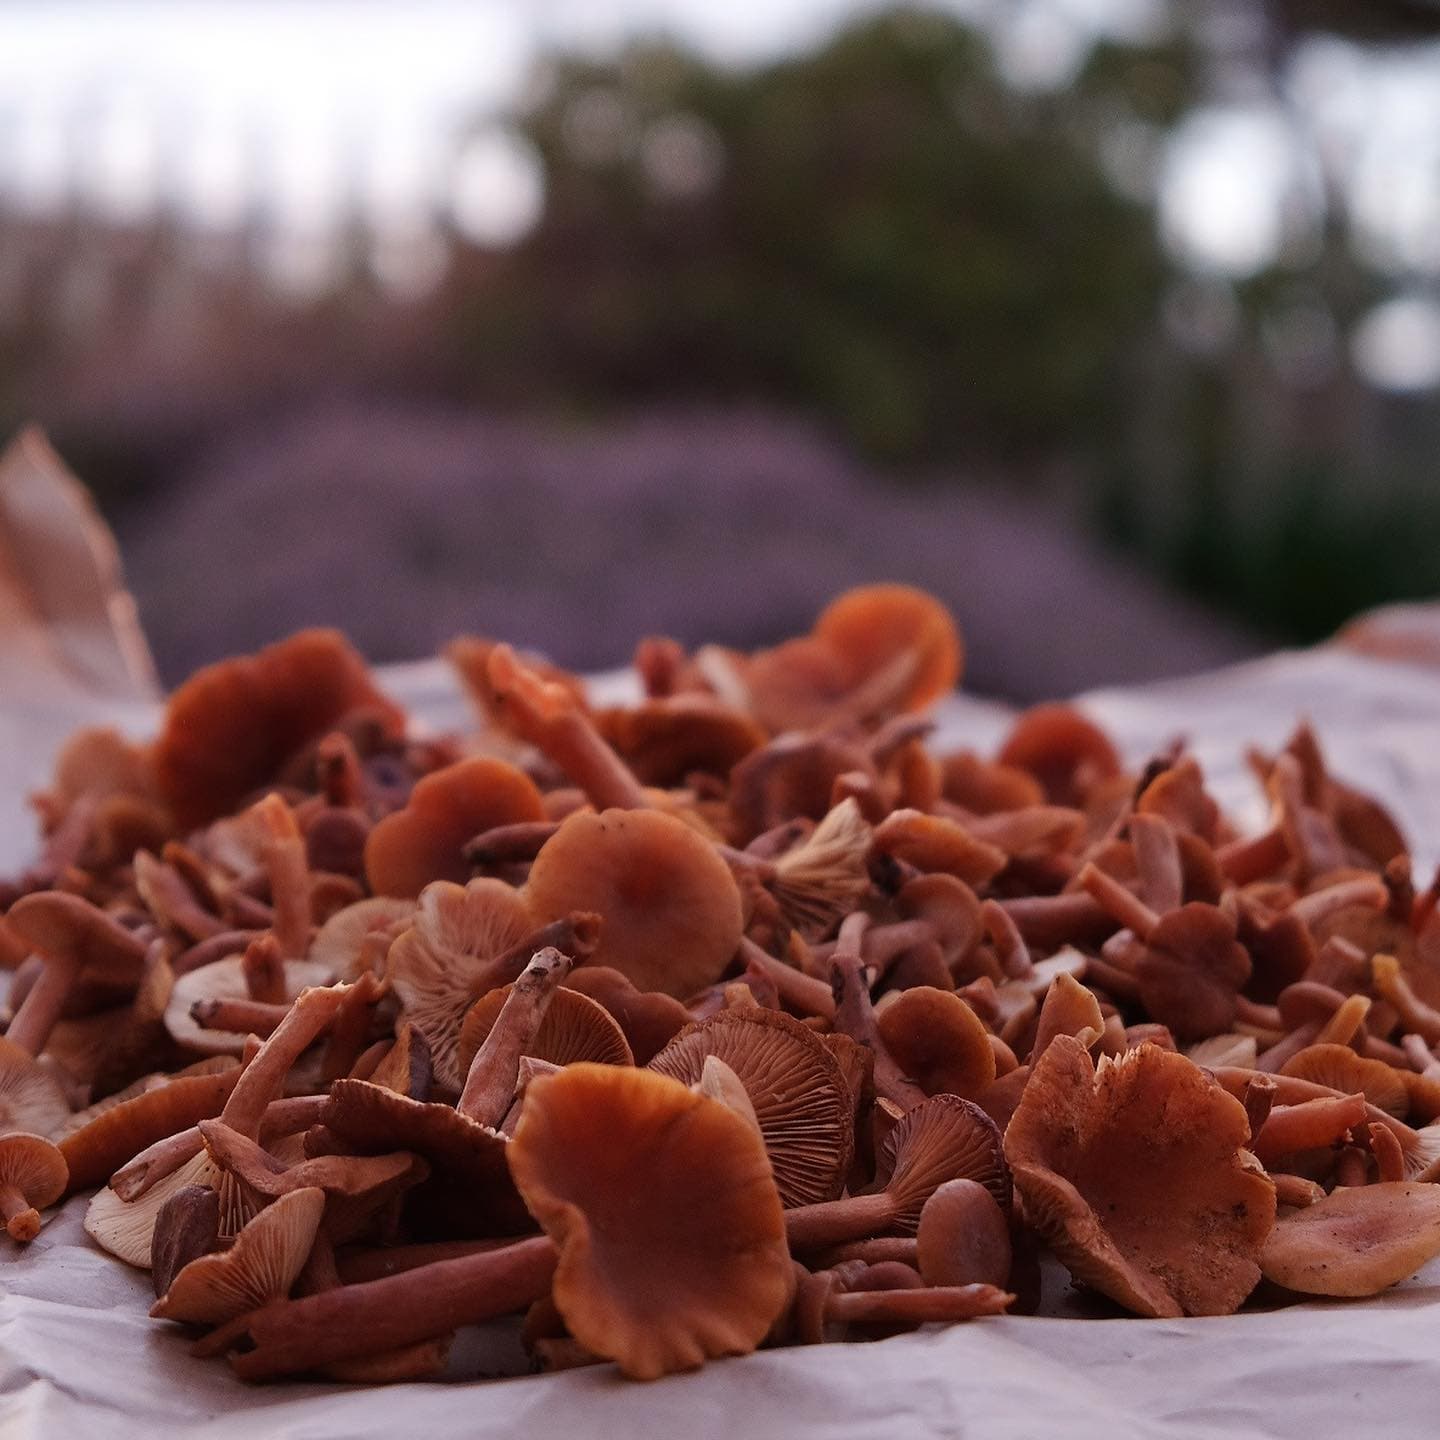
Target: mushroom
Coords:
[(943, 1138), (230, 728), (218, 984), (261, 1266), (801, 1101), (1136, 1175), (31, 1099), (663, 740), (963, 1237), (574, 1027), (937, 1041), (650, 1021), (664, 1243), (934, 844), (669, 904), (352, 939), (425, 841), (1355, 1242), (32, 1175), (1062, 749), (1338, 1067)]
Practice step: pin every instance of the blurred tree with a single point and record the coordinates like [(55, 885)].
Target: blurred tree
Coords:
[(882, 231)]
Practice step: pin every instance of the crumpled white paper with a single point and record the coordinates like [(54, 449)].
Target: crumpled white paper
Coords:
[(78, 1356)]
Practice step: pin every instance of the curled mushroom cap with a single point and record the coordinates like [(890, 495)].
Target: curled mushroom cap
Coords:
[(231, 726), (32, 1175), (440, 965), (897, 635), (1338, 1067), (1136, 1175), (937, 1041), (798, 1091), (425, 840), (671, 908), (1355, 1242), (575, 1028), (670, 1231), (261, 1266)]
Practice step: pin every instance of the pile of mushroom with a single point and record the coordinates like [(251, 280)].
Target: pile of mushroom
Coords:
[(734, 1017)]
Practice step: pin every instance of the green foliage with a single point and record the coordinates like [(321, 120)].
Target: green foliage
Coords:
[(881, 232)]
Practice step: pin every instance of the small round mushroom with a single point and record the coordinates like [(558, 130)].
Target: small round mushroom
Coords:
[(801, 1101), (33, 1174), (963, 1237), (937, 1041), (669, 904), (425, 841)]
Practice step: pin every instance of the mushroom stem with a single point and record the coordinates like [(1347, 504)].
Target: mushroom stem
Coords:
[(796, 989), (1416, 1016), (1310, 1125), (1009, 944), (243, 1017), (904, 1248), (494, 1072), (40, 1009), (374, 1316), (576, 935), (22, 1220), (263, 966), (833, 1222), (549, 718), (373, 1264), (1128, 909), (1049, 921), (939, 1304), (855, 1017), (1243, 861), (1320, 904)]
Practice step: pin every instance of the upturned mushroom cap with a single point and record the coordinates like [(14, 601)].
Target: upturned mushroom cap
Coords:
[(261, 1266), (798, 1091), (937, 1041), (32, 1175), (1355, 1242), (30, 1097), (670, 1231), (943, 1138), (575, 1027), (231, 726), (440, 965), (425, 841), (671, 908), (341, 942), (1136, 1175), (1338, 1067)]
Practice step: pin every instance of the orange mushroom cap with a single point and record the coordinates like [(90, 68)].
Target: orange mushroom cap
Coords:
[(661, 1201), (574, 1028), (425, 840), (937, 1041), (670, 905), (1137, 1176), (231, 726), (1057, 744)]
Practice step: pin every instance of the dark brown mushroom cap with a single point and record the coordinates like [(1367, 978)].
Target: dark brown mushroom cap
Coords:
[(801, 1100), (937, 1041), (468, 1159), (1191, 971), (661, 1202), (425, 841), (59, 924), (665, 740), (650, 1020), (231, 726), (32, 1167), (943, 1138), (671, 908), (1137, 1176), (575, 1027)]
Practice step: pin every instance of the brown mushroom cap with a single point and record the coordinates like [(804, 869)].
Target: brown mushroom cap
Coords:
[(575, 1027), (60, 924), (964, 1237), (671, 908), (935, 844), (801, 1100), (1136, 1175), (32, 1175), (943, 1138), (340, 943), (225, 980), (650, 1020), (1055, 744), (898, 631), (231, 726), (443, 962), (30, 1097), (1355, 1242), (425, 841), (1339, 1068), (671, 1236), (1191, 971), (937, 1041), (261, 1266), (667, 739)]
